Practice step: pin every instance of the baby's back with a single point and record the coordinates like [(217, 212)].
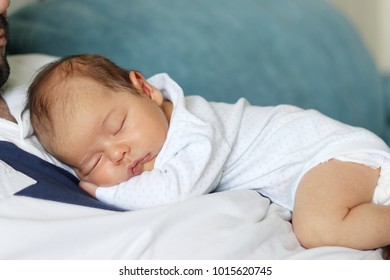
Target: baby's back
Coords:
[(275, 146)]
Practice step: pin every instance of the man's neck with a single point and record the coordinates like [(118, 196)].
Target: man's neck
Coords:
[(4, 111)]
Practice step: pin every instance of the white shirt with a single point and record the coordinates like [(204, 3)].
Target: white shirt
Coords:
[(20, 134), (218, 146)]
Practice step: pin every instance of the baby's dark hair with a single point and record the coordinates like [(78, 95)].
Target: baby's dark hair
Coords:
[(44, 91)]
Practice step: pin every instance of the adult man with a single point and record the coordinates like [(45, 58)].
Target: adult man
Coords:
[(12, 128), (4, 66)]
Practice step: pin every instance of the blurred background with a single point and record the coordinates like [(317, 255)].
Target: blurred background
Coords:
[(370, 17), (300, 52)]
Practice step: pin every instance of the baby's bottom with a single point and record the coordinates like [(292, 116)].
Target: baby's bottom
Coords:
[(334, 206)]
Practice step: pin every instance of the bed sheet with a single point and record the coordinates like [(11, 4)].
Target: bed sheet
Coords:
[(226, 225)]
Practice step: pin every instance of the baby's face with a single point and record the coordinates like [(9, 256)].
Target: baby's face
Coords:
[(111, 136)]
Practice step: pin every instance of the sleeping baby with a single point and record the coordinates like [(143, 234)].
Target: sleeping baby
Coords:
[(137, 143)]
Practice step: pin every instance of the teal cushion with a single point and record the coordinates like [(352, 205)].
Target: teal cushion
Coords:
[(299, 52), (386, 93)]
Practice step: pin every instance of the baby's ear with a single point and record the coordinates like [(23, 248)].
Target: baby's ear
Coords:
[(139, 82), (135, 78)]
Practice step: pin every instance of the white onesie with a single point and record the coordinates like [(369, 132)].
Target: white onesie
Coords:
[(218, 146)]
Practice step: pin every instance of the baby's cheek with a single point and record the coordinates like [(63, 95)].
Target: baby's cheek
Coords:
[(108, 176)]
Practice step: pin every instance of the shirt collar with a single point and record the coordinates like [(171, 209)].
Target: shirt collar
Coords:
[(16, 99)]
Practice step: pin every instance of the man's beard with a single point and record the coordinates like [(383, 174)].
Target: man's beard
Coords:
[(4, 66), (4, 70)]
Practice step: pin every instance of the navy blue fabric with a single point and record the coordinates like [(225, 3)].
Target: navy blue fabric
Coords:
[(53, 183)]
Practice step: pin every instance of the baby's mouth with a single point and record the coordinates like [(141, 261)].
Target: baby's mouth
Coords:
[(135, 168)]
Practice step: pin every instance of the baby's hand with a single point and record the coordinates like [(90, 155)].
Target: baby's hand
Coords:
[(89, 188)]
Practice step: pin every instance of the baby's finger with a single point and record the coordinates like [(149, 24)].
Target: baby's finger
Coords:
[(89, 188)]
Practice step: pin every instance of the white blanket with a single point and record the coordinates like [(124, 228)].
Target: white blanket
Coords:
[(226, 225)]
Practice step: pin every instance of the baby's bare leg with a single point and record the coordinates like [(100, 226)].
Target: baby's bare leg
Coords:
[(333, 207)]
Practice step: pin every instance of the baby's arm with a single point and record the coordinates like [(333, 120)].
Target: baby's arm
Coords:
[(193, 170)]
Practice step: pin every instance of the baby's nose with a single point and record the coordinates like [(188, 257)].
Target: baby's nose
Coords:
[(118, 154)]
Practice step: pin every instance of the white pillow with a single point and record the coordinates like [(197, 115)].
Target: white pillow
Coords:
[(24, 66)]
